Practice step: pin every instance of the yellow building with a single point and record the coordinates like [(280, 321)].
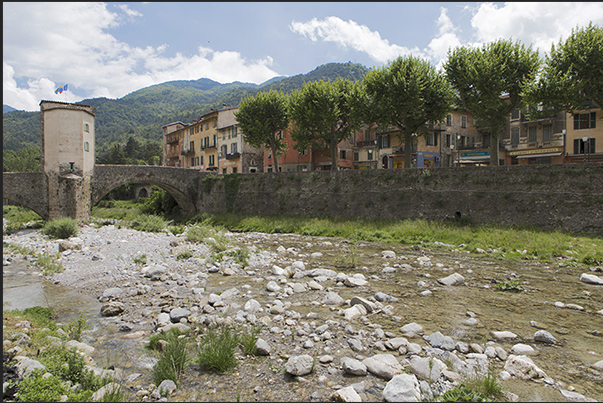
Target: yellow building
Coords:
[(584, 137)]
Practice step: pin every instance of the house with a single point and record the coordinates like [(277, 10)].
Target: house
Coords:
[(234, 154), (173, 137)]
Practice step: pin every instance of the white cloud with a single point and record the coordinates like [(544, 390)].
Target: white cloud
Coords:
[(447, 38), (49, 44), (538, 24), (351, 34)]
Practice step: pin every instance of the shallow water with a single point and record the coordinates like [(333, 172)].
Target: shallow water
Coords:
[(568, 363)]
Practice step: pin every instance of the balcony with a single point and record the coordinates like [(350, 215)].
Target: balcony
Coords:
[(233, 156), (171, 140), (186, 151), (207, 147)]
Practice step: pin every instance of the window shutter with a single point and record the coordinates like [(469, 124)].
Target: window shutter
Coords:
[(435, 139), (576, 121), (592, 145), (380, 141), (576, 146), (593, 120)]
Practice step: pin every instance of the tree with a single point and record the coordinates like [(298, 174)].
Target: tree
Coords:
[(324, 113), (261, 118), (25, 160), (407, 94), (490, 81), (132, 149), (572, 74)]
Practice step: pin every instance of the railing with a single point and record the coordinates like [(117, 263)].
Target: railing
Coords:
[(366, 143), (233, 156), (171, 140)]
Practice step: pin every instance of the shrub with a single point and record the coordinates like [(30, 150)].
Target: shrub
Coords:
[(187, 254), (172, 360), (36, 388), (75, 328), (512, 286), (61, 228), (248, 340), (217, 350), (148, 223)]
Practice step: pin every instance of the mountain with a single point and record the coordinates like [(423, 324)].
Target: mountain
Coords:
[(6, 108), (142, 113)]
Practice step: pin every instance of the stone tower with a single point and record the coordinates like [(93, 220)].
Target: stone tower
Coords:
[(67, 132)]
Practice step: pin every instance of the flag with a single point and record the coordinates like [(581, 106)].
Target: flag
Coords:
[(61, 89)]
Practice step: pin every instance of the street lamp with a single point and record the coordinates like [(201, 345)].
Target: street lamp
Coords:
[(458, 148), (586, 145), (452, 153)]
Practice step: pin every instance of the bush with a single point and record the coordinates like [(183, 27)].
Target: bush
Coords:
[(61, 228), (173, 357), (249, 339), (148, 223), (217, 350)]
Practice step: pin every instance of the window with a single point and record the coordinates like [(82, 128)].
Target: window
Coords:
[(355, 155), (86, 127), (201, 160), (514, 135), (449, 120), (207, 126), (547, 133), (584, 147), (585, 120), (224, 150), (515, 114), (385, 141), (214, 123), (233, 148), (369, 155), (192, 146), (342, 154), (234, 131), (448, 141), (531, 134), (193, 162), (367, 135), (214, 144), (463, 121), (431, 139), (86, 146), (212, 160)]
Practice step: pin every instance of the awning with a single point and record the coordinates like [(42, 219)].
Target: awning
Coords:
[(539, 155)]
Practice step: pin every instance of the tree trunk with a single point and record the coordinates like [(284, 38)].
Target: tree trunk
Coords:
[(493, 150), (333, 154), (407, 150)]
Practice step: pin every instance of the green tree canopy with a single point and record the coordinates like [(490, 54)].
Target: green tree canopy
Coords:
[(572, 74), (25, 160), (490, 82), (324, 113), (407, 94), (261, 118)]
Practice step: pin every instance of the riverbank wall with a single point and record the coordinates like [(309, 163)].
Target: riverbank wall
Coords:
[(565, 197)]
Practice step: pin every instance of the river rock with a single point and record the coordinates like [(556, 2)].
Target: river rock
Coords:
[(26, 366), (395, 343), (388, 254), (356, 345), (154, 272), (111, 387), (523, 367), (178, 313), (453, 279), (591, 279), (347, 394), (383, 365), (402, 388), (504, 335), (165, 388), (68, 245), (368, 305), (112, 308), (425, 368), (262, 347), (382, 297), (272, 286), (544, 337), (438, 340), (79, 346), (299, 365), (411, 329), (332, 298), (353, 366), (522, 349), (111, 294), (357, 280), (354, 312)]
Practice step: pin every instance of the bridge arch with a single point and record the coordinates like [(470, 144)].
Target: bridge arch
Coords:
[(26, 189), (171, 179)]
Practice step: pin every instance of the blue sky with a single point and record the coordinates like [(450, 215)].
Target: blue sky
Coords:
[(112, 49)]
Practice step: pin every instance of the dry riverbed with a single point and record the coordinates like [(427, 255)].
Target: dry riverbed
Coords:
[(344, 304)]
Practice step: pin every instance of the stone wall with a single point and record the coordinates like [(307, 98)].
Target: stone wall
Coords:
[(551, 197), (27, 189)]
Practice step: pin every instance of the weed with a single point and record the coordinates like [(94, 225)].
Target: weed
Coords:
[(172, 360), (140, 259), (49, 264), (61, 228), (512, 286), (75, 328), (187, 254), (248, 339), (148, 223), (217, 350)]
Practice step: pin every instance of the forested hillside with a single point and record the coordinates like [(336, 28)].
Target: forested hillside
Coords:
[(141, 114)]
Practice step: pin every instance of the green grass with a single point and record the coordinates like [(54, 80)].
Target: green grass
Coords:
[(512, 286), (217, 350), (477, 389), (117, 209), (61, 228), (17, 217), (148, 223), (248, 339)]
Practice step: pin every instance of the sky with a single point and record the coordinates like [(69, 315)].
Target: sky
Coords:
[(112, 49)]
